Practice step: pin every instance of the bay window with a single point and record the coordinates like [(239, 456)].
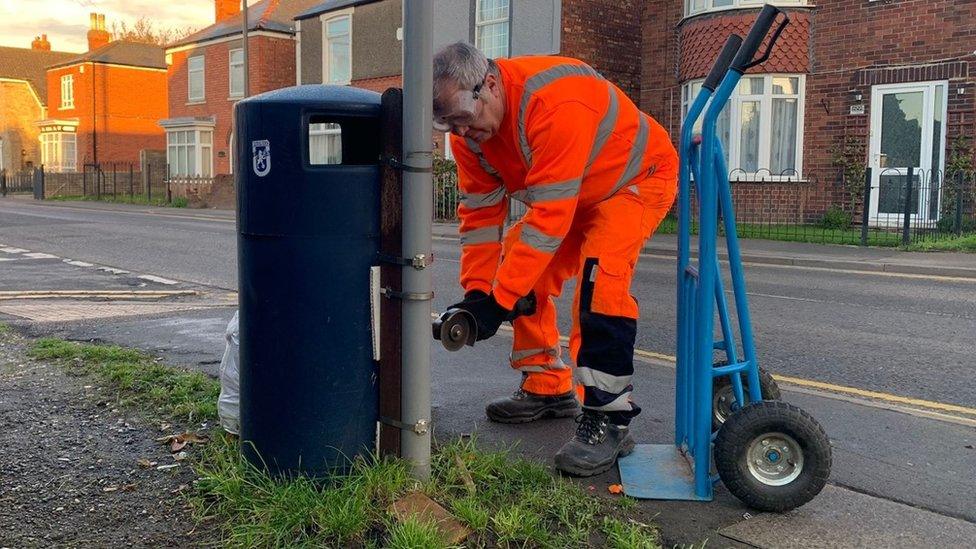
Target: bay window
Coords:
[(761, 127)]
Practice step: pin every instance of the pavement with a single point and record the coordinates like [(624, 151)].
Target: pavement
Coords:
[(802, 254), (902, 476)]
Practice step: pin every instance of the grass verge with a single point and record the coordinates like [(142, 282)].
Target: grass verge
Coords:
[(505, 500), (954, 244), (140, 199)]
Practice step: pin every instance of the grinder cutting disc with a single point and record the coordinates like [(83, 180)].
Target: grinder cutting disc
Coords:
[(457, 329)]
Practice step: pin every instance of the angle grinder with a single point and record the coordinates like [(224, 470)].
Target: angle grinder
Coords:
[(456, 327)]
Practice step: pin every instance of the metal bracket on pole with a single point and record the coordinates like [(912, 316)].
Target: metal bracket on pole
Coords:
[(397, 164), (419, 261), (422, 427), (390, 293)]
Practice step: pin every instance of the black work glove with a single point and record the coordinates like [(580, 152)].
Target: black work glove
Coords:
[(489, 315)]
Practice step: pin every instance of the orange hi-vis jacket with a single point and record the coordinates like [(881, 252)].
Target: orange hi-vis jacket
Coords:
[(569, 140)]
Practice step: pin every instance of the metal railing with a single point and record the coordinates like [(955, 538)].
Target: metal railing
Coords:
[(888, 207)]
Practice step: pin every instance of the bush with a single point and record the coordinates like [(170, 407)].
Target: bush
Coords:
[(835, 218), (179, 202)]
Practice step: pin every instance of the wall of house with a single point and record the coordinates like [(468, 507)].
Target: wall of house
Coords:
[(311, 51), (608, 37), (18, 112), (122, 104), (376, 51), (271, 66)]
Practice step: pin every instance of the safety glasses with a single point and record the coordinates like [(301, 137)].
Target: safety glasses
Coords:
[(461, 112)]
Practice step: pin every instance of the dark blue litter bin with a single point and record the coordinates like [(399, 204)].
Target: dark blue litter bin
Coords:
[(308, 223)]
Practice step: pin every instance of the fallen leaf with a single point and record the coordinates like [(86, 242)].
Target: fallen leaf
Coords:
[(615, 489), (128, 487), (591, 487), (144, 463), (176, 445), (195, 438)]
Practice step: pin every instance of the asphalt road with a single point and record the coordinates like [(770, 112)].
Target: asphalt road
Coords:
[(904, 336)]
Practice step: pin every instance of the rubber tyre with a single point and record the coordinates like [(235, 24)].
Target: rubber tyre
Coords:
[(770, 416), (767, 388)]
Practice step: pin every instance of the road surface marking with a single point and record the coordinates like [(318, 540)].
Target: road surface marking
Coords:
[(13, 250), (916, 406), (39, 255), (159, 279), (105, 294), (8, 259), (77, 263), (113, 270)]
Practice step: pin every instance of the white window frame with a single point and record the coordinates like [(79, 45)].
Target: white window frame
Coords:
[(326, 19), (765, 124), (230, 73), (481, 24), (696, 7), (201, 159), (189, 79), (67, 91), (53, 156)]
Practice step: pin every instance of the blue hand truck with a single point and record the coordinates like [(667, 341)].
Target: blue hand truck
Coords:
[(729, 425)]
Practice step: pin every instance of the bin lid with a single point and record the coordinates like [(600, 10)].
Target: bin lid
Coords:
[(321, 95)]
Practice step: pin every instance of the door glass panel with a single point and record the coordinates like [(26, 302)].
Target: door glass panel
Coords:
[(935, 179), (901, 129), (891, 196)]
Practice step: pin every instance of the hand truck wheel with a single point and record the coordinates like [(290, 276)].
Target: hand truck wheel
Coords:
[(773, 456), (723, 398)]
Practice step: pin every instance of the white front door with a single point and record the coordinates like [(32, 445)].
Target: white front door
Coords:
[(907, 131)]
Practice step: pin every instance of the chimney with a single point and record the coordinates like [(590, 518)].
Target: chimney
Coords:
[(97, 35), (225, 8), (41, 43)]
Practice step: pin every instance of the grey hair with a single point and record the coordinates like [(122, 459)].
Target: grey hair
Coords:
[(462, 64)]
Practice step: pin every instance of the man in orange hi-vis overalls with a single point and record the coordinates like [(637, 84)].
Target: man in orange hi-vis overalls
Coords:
[(598, 177)]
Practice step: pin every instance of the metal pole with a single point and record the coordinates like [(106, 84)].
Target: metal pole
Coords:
[(907, 225), (866, 207), (418, 205), (244, 41)]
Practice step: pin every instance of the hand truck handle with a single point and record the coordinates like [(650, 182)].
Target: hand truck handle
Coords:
[(723, 62), (743, 60)]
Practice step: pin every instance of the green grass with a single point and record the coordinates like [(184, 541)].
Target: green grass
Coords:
[(813, 234), (952, 244), (4, 329), (504, 499), (138, 379), (139, 199)]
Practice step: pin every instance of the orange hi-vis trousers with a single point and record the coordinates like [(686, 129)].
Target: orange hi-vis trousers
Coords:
[(601, 252)]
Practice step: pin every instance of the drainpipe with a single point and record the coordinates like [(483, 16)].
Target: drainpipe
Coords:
[(418, 198)]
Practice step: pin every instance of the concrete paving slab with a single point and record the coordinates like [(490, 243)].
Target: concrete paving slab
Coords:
[(844, 518)]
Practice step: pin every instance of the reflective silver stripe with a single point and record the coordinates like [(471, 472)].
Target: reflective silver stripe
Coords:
[(619, 404), (558, 364), (537, 82), (636, 156), (534, 238), (476, 149), (603, 131), (526, 353), (484, 200), (544, 193), (533, 369), (603, 381), (492, 233)]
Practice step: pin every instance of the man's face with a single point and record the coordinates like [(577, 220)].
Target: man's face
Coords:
[(468, 113)]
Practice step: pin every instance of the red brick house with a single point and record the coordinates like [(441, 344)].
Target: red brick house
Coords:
[(359, 42), (206, 79), (879, 83), (23, 101), (103, 105)]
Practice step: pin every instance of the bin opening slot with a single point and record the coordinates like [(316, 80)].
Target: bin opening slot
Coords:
[(337, 140)]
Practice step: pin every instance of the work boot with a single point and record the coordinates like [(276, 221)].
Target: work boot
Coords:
[(523, 407), (595, 446)]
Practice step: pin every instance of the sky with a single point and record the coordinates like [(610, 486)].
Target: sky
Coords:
[(66, 21)]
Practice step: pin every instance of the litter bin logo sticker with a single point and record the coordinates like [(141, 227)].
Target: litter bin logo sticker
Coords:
[(261, 157)]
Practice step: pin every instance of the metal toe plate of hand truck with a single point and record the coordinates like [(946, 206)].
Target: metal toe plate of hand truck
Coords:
[(658, 471)]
